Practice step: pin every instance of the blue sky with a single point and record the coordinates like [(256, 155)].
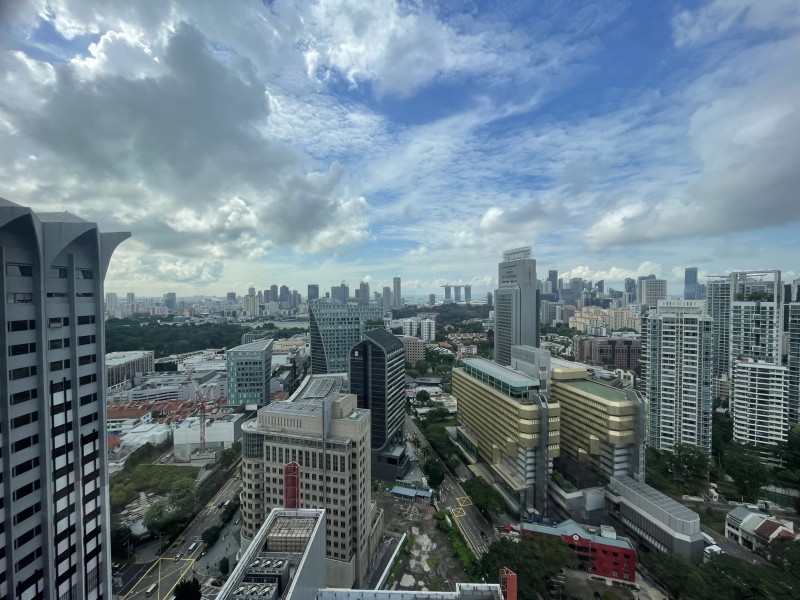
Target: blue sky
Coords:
[(245, 144)]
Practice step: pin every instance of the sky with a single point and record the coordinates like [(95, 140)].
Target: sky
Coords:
[(246, 143)]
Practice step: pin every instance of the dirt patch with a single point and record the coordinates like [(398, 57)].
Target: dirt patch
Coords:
[(427, 563)]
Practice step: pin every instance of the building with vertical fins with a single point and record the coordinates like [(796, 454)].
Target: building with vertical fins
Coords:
[(397, 293), (249, 371), (508, 431), (676, 368), (334, 329), (516, 310), (793, 362), (377, 378), (54, 519)]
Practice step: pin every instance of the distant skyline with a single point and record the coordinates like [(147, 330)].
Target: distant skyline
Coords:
[(250, 143)]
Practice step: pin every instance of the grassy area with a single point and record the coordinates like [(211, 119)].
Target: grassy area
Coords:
[(432, 561), (461, 550), (158, 479)]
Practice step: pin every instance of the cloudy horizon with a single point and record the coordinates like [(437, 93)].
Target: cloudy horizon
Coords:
[(245, 144)]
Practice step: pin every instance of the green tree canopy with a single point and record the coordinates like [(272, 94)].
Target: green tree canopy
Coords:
[(434, 470), (224, 565), (743, 464), (423, 397), (121, 536), (484, 496), (188, 590), (690, 464)]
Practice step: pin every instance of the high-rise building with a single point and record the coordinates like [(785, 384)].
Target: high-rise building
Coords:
[(273, 293), (377, 378), (552, 277), (427, 329), (386, 302), (431, 299), (650, 290), (756, 317), (284, 296), (760, 405), (793, 363), (447, 294), (251, 291), (54, 500), (676, 367), (112, 303), (313, 292), (601, 286), (458, 293), (467, 294), (505, 423), (250, 306), (334, 329), (340, 293), (322, 429), (718, 306), (130, 301), (230, 296), (516, 313), (397, 293), (249, 371), (690, 285), (489, 299), (363, 293), (629, 296)]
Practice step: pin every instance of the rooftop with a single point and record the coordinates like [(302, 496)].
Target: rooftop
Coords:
[(504, 374), (570, 527), (606, 392), (257, 346), (120, 358)]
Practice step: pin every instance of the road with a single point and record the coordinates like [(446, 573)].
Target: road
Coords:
[(178, 562), (477, 531), (732, 548)]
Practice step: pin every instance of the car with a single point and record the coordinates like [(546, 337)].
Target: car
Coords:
[(484, 537), (178, 556)]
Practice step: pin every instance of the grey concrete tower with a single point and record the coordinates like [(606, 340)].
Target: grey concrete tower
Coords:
[(516, 312)]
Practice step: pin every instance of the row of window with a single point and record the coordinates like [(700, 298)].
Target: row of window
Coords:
[(18, 270)]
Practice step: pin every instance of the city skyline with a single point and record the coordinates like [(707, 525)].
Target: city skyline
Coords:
[(325, 141)]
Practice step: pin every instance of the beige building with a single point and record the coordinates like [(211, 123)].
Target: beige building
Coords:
[(122, 366), (507, 430), (322, 429), (414, 348), (601, 426)]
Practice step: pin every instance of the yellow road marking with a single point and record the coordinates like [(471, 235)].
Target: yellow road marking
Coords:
[(464, 501), (459, 512)]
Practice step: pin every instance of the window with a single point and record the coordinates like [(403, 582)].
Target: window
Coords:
[(25, 443), (17, 349), (87, 379), (56, 344), (86, 319), (86, 339), (58, 273), (24, 420), (84, 295), (22, 372), (84, 274), (56, 294), (58, 322), (19, 298), (24, 396), (57, 365), (22, 325), (19, 270), (88, 359)]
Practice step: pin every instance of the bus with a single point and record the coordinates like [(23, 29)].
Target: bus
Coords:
[(151, 590), (192, 546)]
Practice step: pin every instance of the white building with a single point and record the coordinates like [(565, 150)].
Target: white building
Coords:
[(760, 403), (794, 363), (122, 366), (54, 500), (676, 366), (427, 330), (220, 433)]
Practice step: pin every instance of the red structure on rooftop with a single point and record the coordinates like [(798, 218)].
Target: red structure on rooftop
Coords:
[(291, 485)]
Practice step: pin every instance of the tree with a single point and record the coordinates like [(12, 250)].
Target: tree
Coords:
[(435, 472), (440, 413), (121, 537), (690, 464), (484, 496), (188, 590), (211, 534), (423, 367), (535, 559), (744, 465), (224, 565), (155, 516), (423, 398)]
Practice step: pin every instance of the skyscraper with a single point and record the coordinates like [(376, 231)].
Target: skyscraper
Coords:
[(249, 369), (630, 291), (363, 293), (467, 294), (432, 299), (313, 291), (340, 293), (552, 277), (650, 290), (718, 306), (273, 293), (377, 378), (516, 313), (130, 300), (171, 300), (690, 285), (334, 329), (397, 294), (676, 366), (53, 500), (794, 363), (387, 298)]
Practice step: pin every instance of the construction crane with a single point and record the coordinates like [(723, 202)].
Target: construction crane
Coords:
[(202, 398)]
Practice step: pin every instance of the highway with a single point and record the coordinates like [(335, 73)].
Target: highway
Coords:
[(477, 531), (178, 561)]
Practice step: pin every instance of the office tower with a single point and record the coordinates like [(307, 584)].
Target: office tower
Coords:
[(601, 287), (602, 427), (630, 291), (251, 291), (313, 292), (250, 305), (340, 293), (231, 296), (467, 294), (650, 290), (431, 299), (386, 302), (489, 299), (760, 405), (284, 295), (53, 500), (447, 294), (249, 370), (112, 303), (576, 284), (396, 293), (171, 300), (506, 424), (690, 285), (363, 295), (552, 277), (516, 314), (260, 297), (377, 378), (130, 301), (334, 329), (793, 363), (273, 293), (378, 298), (718, 306), (297, 299), (676, 367), (427, 329), (321, 429)]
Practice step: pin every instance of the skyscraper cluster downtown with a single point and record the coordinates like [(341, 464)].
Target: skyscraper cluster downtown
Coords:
[(735, 337)]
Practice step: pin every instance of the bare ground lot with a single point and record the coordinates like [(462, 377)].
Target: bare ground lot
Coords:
[(427, 562)]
